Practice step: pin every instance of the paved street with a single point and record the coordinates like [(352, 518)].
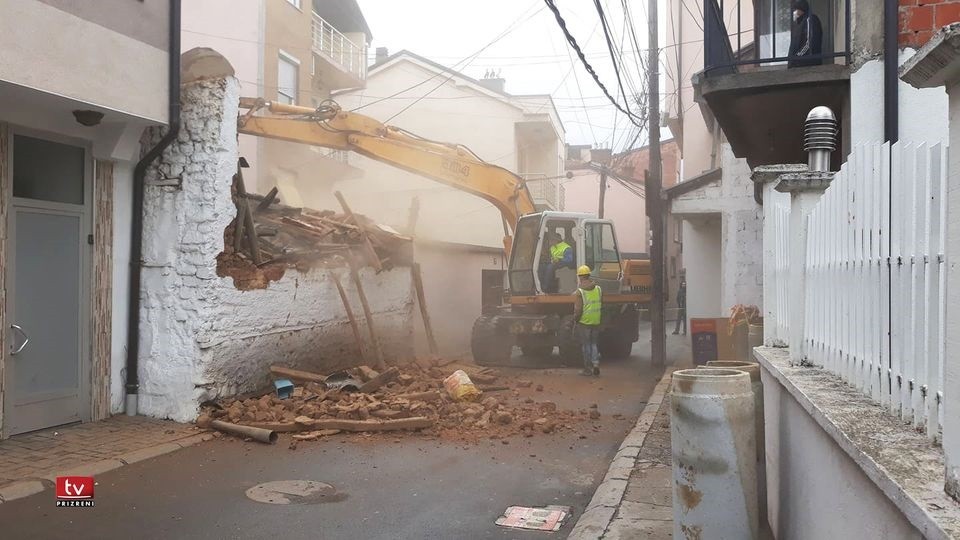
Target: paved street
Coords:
[(396, 487)]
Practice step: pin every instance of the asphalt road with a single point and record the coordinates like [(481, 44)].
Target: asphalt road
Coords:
[(395, 487)]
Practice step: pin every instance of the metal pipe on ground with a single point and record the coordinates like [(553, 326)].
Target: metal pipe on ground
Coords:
[(753, 369), (713, 443)]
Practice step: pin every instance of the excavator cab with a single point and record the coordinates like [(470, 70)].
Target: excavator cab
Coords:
[(593, 242)]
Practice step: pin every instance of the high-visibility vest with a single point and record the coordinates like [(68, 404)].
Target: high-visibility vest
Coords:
[(591, 306), (556, 252)]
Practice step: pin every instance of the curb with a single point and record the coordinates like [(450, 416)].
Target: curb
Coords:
[(44, 481), (609, 494)]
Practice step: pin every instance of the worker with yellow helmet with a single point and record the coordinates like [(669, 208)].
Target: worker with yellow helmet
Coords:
[(587, 312)]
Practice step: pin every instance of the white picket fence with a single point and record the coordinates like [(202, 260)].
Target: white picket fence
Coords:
[(875, 278)]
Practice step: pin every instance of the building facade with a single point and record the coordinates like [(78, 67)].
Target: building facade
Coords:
[(289, 51), (70, 137)]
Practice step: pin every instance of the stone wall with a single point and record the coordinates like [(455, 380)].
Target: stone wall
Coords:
[(200, 336)]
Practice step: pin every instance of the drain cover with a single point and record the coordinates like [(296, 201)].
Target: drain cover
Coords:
[(295, 492)]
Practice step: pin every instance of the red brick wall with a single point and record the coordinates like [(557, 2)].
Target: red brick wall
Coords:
[(920, 19)]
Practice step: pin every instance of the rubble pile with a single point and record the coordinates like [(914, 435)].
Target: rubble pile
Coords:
[(411, 398), (267, 237)]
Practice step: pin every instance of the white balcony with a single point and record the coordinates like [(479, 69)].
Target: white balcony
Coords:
[(342, 62), (543, 189)]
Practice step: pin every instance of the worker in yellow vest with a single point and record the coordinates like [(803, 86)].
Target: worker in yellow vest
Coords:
[(586, 312), (560, 256)]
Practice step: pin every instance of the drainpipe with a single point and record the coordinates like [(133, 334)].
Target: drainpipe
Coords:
[(891, 113), (136, 223)]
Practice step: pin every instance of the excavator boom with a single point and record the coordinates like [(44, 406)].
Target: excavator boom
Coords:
[(331, 127)]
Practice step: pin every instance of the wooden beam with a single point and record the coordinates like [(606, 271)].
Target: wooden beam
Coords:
[(297, 375), (416, 422), (367, 246), (375, 383), (421, 299), (413, 216), (268, 200), (353, 320), (250, 229), (371, 327)]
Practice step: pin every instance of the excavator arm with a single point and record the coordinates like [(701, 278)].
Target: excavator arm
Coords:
[(331, 127)]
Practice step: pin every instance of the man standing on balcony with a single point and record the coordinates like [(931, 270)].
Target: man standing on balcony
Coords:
[(806, 36)]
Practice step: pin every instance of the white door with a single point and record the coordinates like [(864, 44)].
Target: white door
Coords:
[(47, 371)]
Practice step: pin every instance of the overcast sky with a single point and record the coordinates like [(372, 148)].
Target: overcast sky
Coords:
[(533, 57)]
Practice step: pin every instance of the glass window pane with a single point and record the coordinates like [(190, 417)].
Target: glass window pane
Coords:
[(287, 81), (47, 170), (522, 255)]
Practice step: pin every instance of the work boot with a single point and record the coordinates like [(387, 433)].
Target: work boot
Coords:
[(596, 371), (586, 372)]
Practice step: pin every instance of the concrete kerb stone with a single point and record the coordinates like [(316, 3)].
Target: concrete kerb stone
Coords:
[(87, 469), (19, 490), (148, 453), (599, 513)]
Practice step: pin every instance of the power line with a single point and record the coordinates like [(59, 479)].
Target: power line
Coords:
[(583, 59)]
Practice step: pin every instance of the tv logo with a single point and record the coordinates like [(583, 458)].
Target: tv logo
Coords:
[(75, 491)]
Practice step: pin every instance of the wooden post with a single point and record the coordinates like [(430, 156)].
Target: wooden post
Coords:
[(367, 246), (353, 321), (413, 216), (378, 351), (268, 199), (603, 192), (421, 299), (247, 219)]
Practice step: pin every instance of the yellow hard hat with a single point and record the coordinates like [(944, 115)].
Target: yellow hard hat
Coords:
[(583, 271)]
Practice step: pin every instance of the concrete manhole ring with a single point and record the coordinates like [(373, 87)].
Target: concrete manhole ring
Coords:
[(294, 492)]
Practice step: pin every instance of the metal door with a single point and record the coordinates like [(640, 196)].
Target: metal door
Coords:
[(46, 375)]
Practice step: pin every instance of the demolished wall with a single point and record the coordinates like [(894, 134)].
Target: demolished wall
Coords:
[(202, 337)]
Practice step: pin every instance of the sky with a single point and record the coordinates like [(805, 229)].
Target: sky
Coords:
[(533, 56)]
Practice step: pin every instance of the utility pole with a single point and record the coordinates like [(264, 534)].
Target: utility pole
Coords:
[(603, 190), (654, 187)]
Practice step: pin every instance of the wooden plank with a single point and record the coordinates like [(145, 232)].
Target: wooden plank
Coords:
[(432, 395), (268, 199), (238, 236), (371, 327), (886, 394), (416, 422), (934, 324), (297, 374), (354, 326), (102, 298), (371, 253), (896, 292), (249, 228), (380, 380), (424, 314)]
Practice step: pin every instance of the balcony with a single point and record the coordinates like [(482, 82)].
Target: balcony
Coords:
[(760, 102), (338, 61), (543, 189)]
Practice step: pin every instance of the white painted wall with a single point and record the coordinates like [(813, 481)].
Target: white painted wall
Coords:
[(814, 489), (122, 216), (922, 112), (701, 256), (726, 213), (63, 65), (452, 286), (200, 336)]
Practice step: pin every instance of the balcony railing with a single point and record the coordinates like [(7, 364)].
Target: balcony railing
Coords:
[(336, 47), (765, 40), (543, 189)]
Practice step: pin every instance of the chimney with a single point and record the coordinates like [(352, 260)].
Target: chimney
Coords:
[(492, 81), (382, 54)]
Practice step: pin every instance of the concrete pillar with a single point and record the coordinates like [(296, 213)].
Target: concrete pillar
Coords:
[(938, 64), (805, 190), (765, 177)]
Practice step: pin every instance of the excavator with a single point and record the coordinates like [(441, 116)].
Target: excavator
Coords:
[(529, 316)]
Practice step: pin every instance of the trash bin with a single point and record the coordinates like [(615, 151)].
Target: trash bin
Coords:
[(713, 443)]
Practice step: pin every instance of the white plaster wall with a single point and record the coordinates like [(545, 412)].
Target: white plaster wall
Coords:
[(62, 64), (200, 336), (814, 489), (452, 283), (701, 257), (922, 112)]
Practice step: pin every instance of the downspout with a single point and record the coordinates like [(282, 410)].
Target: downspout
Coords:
[(136, 223), (891, 113)]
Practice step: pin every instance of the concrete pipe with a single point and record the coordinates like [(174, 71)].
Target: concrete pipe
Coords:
[(257, 434), (753, 369), (713, 439)]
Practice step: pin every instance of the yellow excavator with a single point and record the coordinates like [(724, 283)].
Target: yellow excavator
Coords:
[(529, 317)]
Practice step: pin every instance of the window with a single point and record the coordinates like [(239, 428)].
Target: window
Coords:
[(295, 3), (600, 250), (47, 171), (288, 79), (522, 255)]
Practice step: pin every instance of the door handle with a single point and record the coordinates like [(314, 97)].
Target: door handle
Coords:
[(26, 339)]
